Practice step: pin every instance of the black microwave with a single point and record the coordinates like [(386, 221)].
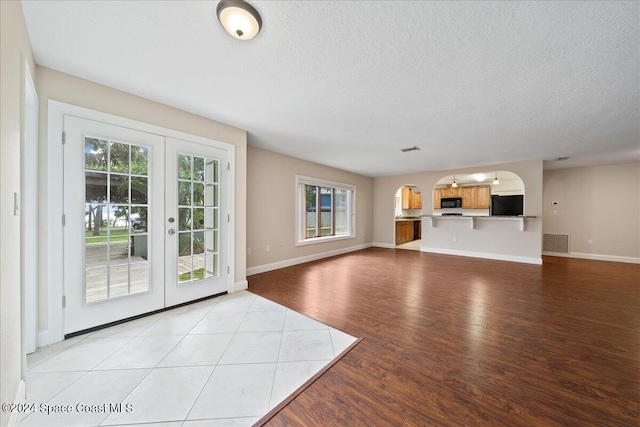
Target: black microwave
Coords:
[(450, 202)]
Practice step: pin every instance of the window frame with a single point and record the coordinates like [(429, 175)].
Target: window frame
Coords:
[(301, 183)]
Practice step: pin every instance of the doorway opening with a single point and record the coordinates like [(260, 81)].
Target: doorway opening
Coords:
[(408, 220)]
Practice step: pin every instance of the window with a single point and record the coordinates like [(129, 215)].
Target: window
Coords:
[(326, 210)]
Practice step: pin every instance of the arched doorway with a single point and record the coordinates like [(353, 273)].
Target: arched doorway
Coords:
[(408, 222)]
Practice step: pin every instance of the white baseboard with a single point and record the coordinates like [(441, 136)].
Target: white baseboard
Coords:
[(21, 396), (383, 245), (597, 257), (295, 261), (485, 255), (43, 339), (242, 285)]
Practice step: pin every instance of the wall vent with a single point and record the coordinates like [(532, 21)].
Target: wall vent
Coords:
[(555, 243)]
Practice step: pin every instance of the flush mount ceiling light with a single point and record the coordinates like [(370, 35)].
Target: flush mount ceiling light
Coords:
[(496, 181), (455, 184), (239, 18)]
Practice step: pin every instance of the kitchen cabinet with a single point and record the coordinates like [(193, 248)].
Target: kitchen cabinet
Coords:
[(473, 196), (483, 197), (411, 199), (437, 195), (469, 197), (449, 191), (405, 231)]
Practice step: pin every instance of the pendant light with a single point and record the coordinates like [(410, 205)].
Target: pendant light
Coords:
[(496, 181), (239, 18), (455, 184)]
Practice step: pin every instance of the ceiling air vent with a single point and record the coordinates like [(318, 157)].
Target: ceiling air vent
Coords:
[(559, 159), (406, 150)]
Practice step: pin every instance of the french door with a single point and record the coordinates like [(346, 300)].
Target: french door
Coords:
[(142, 222)]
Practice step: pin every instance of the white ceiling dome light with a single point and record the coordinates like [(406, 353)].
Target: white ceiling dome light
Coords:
[(239, 18)]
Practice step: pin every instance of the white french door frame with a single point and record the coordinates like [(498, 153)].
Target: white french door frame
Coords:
[(55, 207)]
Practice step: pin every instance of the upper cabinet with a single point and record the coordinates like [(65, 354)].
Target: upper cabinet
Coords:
[(411, 198), (473, 196), (476, 189)]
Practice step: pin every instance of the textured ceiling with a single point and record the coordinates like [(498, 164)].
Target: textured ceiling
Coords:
[(350, 83)]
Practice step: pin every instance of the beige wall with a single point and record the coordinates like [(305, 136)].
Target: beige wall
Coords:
[(600, 203), (15, 50), (271, 210), (54, 85), (486, 239)]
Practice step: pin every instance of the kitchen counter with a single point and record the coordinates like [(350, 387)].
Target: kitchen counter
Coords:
[(474, 218), (409, 218)]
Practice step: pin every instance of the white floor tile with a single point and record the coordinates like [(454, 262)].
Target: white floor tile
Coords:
[(202, 306), (290, 376), (219, 323), (263, 304), (166, 394), (236, 302), (295, 321), (89, 398), (140, 352), (132, 328), (340, 341), (235, 391), (47, 352), (258, 351), (222, 422), (198, 350), (171, 424), (44, 386), (83, 356), (174, 324), (262, 321), (252, 347), (300, 346)]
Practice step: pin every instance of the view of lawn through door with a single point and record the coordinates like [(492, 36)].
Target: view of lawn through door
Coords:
[(198, 218), (116, 207)]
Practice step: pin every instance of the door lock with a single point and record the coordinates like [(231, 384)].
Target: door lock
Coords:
[(172, 232)]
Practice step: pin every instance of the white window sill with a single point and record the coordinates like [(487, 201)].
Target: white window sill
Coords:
[(324, 239)]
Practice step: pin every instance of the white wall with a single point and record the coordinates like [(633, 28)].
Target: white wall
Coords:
[(63, 87), (502, 240), (600, 203), (15, 49), (271, 210)]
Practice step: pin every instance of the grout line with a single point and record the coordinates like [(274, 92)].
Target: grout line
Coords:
[(273, 382)]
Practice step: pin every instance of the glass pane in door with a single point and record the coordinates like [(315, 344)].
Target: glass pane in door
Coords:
[(198, 210), (116, 206)]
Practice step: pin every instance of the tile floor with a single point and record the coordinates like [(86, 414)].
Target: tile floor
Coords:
[(222, 362)]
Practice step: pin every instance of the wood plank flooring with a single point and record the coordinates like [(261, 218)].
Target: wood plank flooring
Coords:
[(455, 341)]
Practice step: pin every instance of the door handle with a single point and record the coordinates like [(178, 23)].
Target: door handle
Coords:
[(171, 232)]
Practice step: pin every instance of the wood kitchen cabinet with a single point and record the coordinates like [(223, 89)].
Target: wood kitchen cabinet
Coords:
[(411, 199), (483, 197), (437, 195), (469, 197), (473, 196), (404, 231)]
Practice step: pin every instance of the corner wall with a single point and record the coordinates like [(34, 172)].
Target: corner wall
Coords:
[(63, 87), (271, 210), (599, 203), (15, 49)]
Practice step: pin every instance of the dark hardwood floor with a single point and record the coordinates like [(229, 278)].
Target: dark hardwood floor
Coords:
[(454, 341)]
